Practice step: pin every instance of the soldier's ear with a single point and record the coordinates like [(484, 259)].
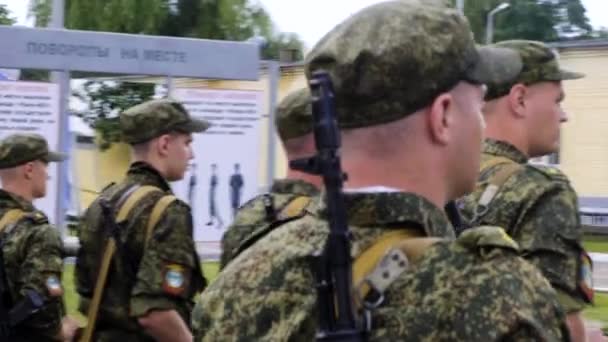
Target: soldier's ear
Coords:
[(162, 144), (440, 117), (517, 102), (28, 170)]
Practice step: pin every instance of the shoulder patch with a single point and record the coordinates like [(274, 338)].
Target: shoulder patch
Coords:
[(586, 277), (551, 172), (53, 285), (175, 279), (486, 236)]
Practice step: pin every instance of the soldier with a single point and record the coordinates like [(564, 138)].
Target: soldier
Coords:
[(253, 220), (408, 92), (155, 271), (31, 247), (536, 204)]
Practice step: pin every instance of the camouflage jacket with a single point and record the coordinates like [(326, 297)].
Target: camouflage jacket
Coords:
[(539, 209), (166, 275), (474, 289), (252, 220), (32, 254)]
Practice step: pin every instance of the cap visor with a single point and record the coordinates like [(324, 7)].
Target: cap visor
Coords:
[(570, 75), (194, 126), (495, 65), (56, 157)]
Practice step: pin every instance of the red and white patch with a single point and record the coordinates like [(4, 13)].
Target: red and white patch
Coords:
[(586, 276), (174, 279), (53, 285)]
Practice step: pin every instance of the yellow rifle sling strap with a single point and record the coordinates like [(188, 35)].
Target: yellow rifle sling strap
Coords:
[(410, 242), (11, 217), (157, 212), (132, 200), (294, 208), (493, 161), (108, 254)]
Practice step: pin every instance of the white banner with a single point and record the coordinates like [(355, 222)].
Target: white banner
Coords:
[(224, 173), (33, 107)]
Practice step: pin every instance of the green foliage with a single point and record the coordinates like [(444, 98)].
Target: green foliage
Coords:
[(5, 16), (544, 20), (211, 19), (106, 100), (236, 20)]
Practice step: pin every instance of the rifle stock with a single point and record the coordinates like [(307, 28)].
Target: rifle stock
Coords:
[(333, 267)]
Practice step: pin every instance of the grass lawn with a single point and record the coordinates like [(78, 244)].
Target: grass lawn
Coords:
[(596, 243), (599, 312)]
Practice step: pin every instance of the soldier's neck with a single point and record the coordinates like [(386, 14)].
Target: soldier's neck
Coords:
[(21, 190), (413, 178), (157, 164), (501, 129)]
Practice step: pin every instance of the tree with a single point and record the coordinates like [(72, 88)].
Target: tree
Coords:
[(107, 99), (212, 19), (236, 20), (544, 20), (5, 18)]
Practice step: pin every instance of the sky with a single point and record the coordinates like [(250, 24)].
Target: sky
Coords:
[(311, 19)]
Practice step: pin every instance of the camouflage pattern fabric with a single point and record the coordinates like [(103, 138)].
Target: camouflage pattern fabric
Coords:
[(157, 117), (391, 59), (473, 289), (539, 209), (539, 64), (251, 220), (17, 149), (294, 115), (164, 276), (32, 254)]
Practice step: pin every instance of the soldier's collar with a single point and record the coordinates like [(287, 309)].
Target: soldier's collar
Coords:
[(12, 200), (294, 186), (148, 175), (390, 210), (504, 149)]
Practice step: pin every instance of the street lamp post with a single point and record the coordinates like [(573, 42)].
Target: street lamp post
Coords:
[(490, 21)]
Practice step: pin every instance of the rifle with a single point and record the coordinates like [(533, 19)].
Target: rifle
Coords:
[(453, 215), (333, 267), (13, 314), (113, 229)]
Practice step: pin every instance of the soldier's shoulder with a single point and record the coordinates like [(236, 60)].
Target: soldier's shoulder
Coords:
[(481, 268), (37, 225), (547, 173)]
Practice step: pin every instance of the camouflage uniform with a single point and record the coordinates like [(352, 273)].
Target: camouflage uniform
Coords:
[(253, 221), (32, 249), (139, 277), (537, 205), (383, 61)]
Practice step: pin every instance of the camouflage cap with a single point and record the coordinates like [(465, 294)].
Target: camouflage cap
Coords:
[(293, 117), (18, 149), (157, 117), (394, 58), (539, 64)]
